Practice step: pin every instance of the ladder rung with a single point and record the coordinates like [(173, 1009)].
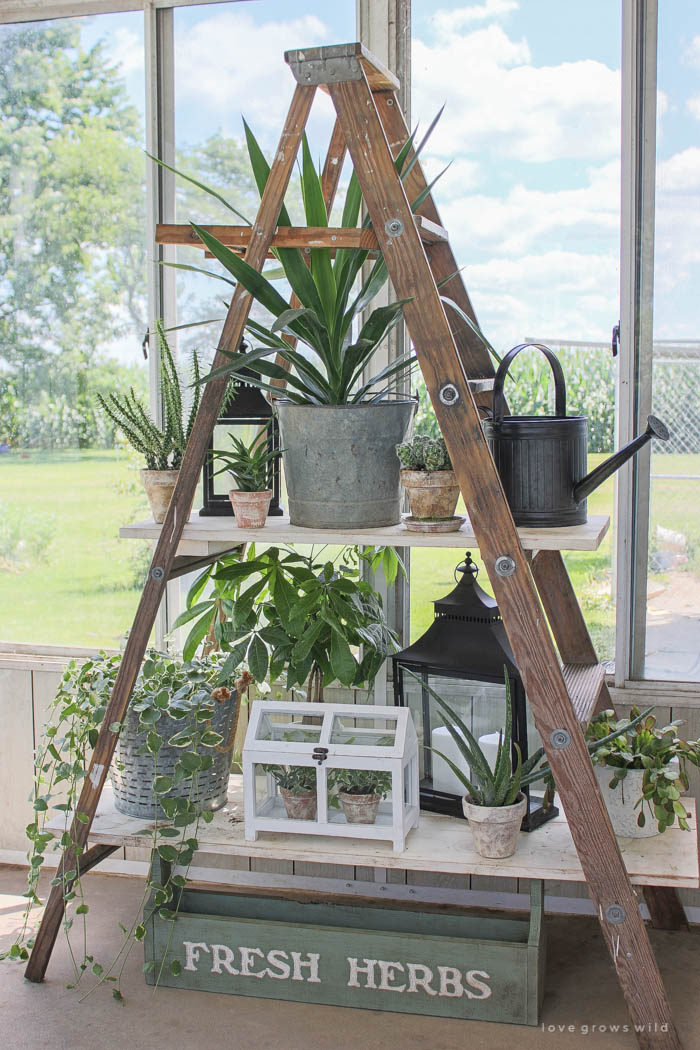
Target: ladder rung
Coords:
[(481, 386), (583, 683), (430, 232)]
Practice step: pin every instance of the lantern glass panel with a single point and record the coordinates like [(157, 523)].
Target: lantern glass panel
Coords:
[(480, 705)]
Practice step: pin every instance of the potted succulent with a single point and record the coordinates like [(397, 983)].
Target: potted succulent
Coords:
[(494, 804), (297, 786), (249, 466), (642, 771), (430, 483), (359, 792), (338, 427), (161, 446)]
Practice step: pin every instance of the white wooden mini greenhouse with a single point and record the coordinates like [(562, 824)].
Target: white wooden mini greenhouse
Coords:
[(328, 737)]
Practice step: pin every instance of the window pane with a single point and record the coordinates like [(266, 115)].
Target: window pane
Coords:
[(531, 201), (73, 315), (673, 594)]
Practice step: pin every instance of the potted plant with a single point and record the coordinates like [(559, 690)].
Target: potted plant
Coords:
[(162, 446), (338, 427), (295, 615), (642, 771), (249, 466), (359, 792), (297, 786), (430, 483)]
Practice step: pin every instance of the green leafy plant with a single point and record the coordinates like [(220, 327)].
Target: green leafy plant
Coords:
[(300, 780), (162, 446), (167, 690), (249, 464), (624, 744), (358, 782), (424, 453), (291, 614)]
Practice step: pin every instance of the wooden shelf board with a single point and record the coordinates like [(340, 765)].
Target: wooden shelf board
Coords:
[(202, 536), (440, 844)]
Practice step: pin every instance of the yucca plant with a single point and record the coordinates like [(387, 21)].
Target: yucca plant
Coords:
[(161, 446)]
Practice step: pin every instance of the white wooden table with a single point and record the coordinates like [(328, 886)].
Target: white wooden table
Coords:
[(440, 844)]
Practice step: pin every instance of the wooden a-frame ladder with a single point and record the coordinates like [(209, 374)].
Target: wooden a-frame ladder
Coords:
[(371, 126)]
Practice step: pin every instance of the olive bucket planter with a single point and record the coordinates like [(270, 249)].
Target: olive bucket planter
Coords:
[(340, 463), (132, 771)]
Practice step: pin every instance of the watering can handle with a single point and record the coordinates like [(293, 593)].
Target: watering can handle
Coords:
[(499, 404)]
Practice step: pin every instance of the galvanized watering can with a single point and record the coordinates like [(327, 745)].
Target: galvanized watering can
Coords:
[(542, 459)]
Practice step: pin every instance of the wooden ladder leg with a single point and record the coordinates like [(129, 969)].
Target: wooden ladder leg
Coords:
[(175, 520), (575, 647), (507, 567)]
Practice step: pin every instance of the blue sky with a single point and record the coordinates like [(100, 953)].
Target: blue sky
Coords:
[(531, 128)]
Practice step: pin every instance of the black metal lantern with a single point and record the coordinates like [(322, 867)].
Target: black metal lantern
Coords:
[(464, 656), (245, 412)]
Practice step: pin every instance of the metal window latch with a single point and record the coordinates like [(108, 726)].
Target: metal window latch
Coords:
[(616, 339), (319, 754)]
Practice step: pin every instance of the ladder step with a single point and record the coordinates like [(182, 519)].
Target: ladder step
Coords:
[(583, 683)]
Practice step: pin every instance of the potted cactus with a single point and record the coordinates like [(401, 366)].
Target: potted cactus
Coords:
[(161, 446), (250, 467), (431, 485)]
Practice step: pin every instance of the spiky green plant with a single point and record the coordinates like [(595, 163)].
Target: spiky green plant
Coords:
[(329, 366), (248, 464), (424, 453), (161, 446)]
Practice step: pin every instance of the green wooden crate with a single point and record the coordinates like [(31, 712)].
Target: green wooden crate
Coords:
[(443, 962)]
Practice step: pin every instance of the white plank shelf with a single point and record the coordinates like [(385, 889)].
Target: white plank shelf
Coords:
[(440, 844), (209, 536)]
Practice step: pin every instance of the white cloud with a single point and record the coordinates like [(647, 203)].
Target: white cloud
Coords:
[(230, 64), (680, 173), (498, 100), (453, 21), (691, 55), (692, 104), (125, 48)]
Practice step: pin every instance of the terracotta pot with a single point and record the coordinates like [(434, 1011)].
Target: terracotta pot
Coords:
[(621, 802), (432, 494), (250, 508), (495, 828), (159, 486), (359, 809), (299, 807)]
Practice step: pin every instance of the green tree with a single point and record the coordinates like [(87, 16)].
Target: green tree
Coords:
[(72, 251)]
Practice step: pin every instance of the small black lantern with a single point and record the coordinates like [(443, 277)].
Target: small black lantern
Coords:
[(245, 412), (464, 656)]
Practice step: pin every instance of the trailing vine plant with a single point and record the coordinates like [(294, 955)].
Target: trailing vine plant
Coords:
[(167, 691)]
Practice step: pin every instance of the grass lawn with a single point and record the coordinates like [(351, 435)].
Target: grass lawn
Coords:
[(84, 587), (82, 590)]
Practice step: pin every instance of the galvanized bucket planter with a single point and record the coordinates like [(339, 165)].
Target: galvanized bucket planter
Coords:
[(133, 784), (340, 462), (445, 963)]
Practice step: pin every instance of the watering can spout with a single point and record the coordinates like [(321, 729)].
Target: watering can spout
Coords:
[(655, 428)]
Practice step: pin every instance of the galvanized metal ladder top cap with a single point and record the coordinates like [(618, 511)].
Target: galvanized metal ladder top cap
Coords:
[(334, 63)]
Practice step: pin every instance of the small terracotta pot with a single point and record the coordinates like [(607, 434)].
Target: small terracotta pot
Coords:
[(250, 508), (432, 494), (159, 486), (495, 828), (359, 809), (299, 807)]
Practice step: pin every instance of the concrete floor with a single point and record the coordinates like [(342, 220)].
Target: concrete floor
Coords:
[(581, 990)]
